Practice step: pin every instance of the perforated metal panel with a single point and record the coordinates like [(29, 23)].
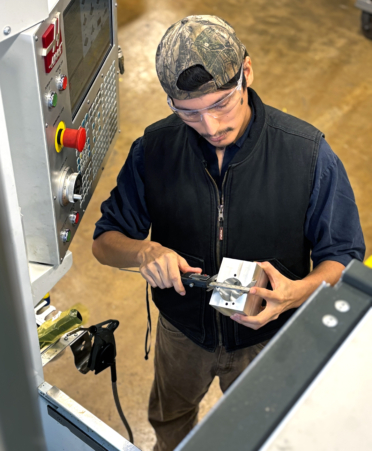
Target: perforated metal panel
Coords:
[(101, 124)]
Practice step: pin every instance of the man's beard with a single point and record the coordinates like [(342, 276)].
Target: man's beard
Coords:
[(206, 136), (223, 132)]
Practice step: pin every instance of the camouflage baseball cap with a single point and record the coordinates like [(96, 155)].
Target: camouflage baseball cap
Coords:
[(205, 40)]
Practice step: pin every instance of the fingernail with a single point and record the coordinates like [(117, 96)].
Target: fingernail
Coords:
[(253, 290), (183, 293)]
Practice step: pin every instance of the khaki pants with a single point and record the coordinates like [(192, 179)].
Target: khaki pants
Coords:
[(183, 373)]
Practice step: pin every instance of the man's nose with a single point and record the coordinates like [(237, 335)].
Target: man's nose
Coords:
[(211, 124)]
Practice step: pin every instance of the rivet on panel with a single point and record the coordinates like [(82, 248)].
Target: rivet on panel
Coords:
[(330, 320), (342, 306)]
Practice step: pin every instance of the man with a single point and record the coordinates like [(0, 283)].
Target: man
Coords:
[(225, 175)]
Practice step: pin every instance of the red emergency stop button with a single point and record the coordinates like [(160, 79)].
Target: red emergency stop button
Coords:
[(68, 137), (74, 138)]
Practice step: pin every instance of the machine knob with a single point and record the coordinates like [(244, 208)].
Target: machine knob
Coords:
[(70, 187), (75, 139), (52, 99), (65, 235), (74, 217), (62, 82)]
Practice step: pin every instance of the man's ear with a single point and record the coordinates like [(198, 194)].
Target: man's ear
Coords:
[(248, 70)]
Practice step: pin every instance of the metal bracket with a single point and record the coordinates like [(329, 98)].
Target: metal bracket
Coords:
[(40, 317), (52, 351), (81, 348)]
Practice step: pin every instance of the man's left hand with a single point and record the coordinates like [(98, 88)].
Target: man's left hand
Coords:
[(287, 293), (284, 296)]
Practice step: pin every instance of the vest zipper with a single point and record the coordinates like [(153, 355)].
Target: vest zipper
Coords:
[(220, 219)]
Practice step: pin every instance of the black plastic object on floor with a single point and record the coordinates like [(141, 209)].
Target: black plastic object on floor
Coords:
[(367, 24)]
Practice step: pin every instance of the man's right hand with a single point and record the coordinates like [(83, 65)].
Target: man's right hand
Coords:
[(161, 267)]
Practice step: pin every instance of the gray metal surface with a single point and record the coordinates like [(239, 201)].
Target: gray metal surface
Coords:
[(15, 245), (61, 439), (333, 414), (18, 394), (44, 277), (358, 276), (364, 5), (32, 128), (19, 15)]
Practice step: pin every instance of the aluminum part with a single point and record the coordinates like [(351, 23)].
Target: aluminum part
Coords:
[(230, 294), (52, 351), (41, 317)]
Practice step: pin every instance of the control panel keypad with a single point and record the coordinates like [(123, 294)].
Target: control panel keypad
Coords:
[(101, 124)]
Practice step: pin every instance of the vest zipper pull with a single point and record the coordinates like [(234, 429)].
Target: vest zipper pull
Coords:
[(220, 218)]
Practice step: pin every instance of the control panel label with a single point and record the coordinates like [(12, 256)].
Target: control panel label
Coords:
[(52, 44)]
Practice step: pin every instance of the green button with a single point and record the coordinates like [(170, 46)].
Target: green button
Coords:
[(54, 99), (68, 236)]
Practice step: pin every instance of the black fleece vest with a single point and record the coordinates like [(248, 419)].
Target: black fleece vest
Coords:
[(266, 193)]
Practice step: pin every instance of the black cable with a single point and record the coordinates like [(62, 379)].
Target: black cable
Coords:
[(117, 403), (148, 331)]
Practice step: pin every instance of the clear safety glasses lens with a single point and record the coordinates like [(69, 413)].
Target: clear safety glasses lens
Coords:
[(217, 110)]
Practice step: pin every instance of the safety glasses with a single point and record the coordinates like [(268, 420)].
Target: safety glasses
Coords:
[(216, 110)]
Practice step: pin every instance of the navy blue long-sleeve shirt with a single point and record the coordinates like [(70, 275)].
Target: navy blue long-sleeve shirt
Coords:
[(332, 222)]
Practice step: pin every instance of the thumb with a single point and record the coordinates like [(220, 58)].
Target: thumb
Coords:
[(185, 267)]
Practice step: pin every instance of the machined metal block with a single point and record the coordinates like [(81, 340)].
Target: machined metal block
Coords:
[(244, 274)]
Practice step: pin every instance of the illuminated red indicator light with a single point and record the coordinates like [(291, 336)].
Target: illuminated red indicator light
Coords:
[(62, 82), (77, 217)]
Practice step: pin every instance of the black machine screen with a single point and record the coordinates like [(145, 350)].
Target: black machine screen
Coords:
[(88, 37)]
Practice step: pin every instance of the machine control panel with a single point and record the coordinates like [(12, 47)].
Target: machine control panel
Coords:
[(70, 119)]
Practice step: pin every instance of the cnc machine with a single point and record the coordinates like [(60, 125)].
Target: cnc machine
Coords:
[(59, 119)]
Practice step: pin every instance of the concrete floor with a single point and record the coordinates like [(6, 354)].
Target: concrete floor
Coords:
[(311, 60)]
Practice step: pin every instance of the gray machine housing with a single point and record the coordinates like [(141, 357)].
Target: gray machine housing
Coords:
[(32, 126)]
